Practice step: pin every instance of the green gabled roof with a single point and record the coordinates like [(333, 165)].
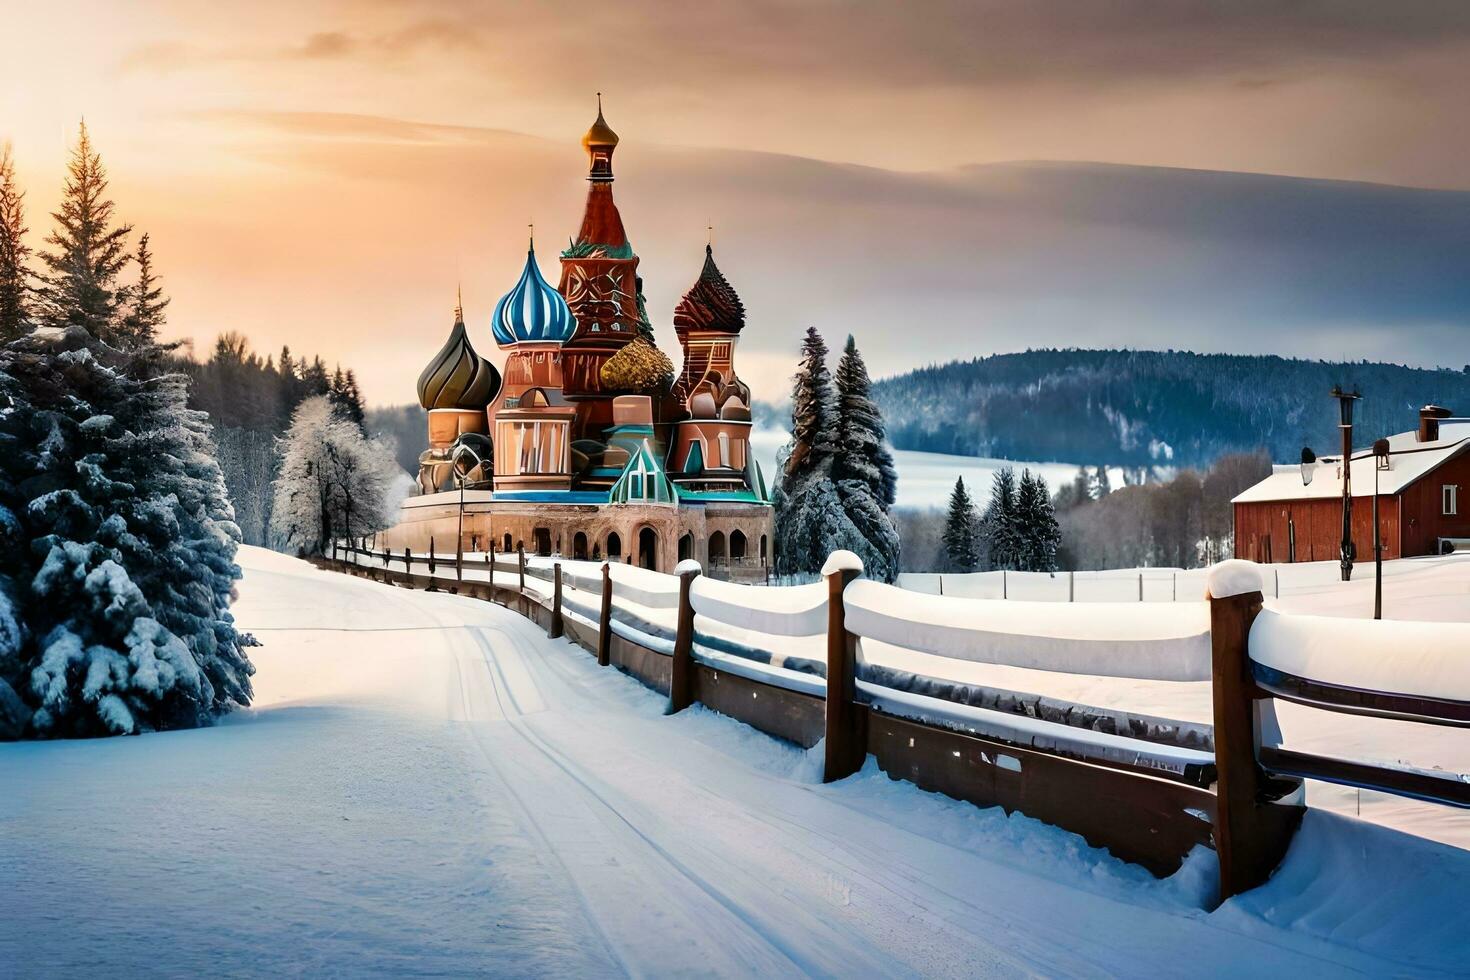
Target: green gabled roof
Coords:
[(643, 472)]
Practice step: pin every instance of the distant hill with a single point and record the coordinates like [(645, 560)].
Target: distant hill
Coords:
[(1140, 407)]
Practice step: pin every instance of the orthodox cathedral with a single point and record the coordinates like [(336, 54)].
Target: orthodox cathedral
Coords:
[(588, 443)]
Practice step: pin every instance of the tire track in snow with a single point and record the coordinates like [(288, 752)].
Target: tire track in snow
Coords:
[(900, 894), (721, 915)]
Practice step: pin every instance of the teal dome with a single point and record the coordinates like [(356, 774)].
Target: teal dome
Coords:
[(533, 311)]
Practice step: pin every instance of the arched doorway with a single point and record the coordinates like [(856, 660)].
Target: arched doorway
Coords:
[(579, 546), (737, 544), (686, 547), (505, 544), (541, 539), (717, 548), (648, 549), (763, 549), (614, 546)]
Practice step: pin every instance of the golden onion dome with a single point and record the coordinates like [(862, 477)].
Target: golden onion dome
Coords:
[(601, 134)]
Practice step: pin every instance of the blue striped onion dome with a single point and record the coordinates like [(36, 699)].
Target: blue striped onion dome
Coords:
[(533, 311)]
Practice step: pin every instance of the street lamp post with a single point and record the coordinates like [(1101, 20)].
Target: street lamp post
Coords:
[(1345, 400), (1380, 460)]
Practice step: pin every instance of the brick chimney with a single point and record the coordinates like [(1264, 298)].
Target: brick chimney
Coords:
[(1429, 417)]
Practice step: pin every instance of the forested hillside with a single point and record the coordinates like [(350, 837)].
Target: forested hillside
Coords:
[(1134, 407)]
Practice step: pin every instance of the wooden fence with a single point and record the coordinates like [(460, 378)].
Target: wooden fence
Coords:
[(792, 662)]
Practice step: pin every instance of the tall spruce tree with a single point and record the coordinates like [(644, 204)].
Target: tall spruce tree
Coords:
[(812, 408), (15, 272), (1001, 530), (863, 468), (832, 493), (962, 530), (87, 255), (861, 453), (143, 311), (1037, 534)]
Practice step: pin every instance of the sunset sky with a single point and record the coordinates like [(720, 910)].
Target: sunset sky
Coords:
[(324, 174)]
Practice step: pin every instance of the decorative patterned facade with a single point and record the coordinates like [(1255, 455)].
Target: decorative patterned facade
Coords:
[(592, 445)]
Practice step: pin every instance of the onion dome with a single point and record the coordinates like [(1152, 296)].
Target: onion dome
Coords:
[(639, 366), (599, 142), (457, 377), (711, 303), (533, 311)]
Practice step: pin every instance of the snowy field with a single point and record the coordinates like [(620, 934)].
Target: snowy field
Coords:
[(926, 480), (428, 786)]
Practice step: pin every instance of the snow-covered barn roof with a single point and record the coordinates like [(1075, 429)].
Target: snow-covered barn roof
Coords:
[(1285, 483)]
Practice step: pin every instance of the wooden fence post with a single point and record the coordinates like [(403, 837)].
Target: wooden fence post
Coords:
[(431, 556), (521, 555), (556, 627), (604, 619), (681, 671), (846, 733), (407, 561), (490, 568), (1251, 832)]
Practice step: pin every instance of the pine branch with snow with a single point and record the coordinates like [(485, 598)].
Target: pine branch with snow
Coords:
[(119, 566)]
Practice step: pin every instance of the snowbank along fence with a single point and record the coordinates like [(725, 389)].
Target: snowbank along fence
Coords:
[(871, 669)]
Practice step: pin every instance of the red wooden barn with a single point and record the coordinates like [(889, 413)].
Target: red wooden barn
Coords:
[(1424, 500)]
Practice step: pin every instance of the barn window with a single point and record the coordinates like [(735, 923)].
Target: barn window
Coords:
[(1449, 503)]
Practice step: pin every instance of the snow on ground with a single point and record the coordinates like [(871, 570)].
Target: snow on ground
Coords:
[(927, 479), (427, 785)]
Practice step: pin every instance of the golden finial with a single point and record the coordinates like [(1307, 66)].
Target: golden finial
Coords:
[(458, 302), (531, 231), (710, 231)]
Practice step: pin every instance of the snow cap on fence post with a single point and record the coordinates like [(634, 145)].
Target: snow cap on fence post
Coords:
[(1233, 577), (846, 737), (842, 561), (689, 565)]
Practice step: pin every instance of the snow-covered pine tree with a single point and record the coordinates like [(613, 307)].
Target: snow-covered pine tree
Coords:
[(860, 440), (812, 409), (333, 481), (118, 558), (862, 466), (80, 287), (805, 502), (143, 311), (1038, 535), (15, 271), (962, 530), (1001, 532), (822, 505)]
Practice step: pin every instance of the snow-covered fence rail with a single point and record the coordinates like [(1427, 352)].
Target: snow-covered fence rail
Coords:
[(1418, 672), (873, 670)]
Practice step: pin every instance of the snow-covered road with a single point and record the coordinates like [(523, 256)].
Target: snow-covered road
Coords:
[(427, 785)]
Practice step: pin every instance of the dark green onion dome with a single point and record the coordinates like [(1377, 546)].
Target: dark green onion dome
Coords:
[(711, 303), (457, 377)]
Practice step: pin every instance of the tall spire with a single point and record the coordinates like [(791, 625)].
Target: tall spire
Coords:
[(458, 303), (599, 142)]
